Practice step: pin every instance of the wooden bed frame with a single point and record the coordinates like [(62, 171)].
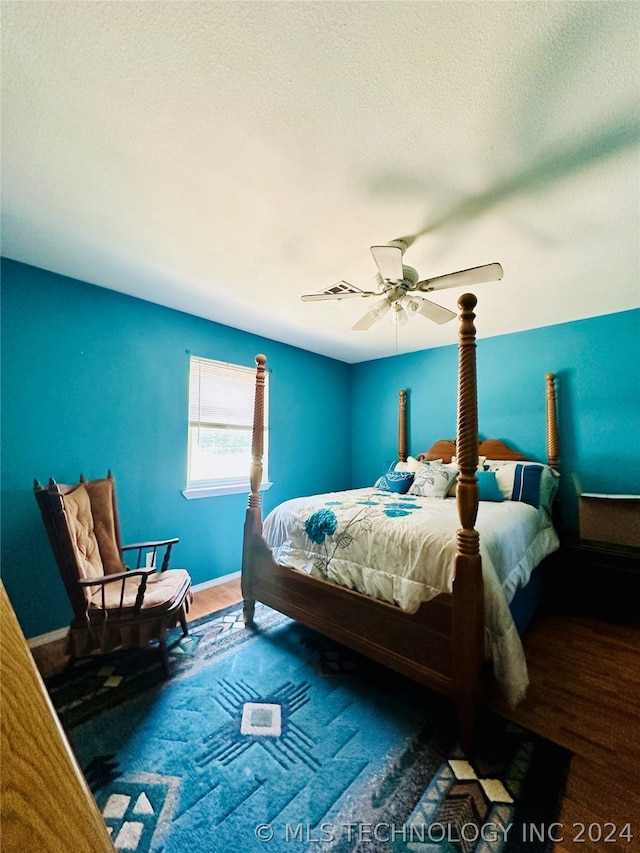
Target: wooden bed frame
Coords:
[(442, 644)]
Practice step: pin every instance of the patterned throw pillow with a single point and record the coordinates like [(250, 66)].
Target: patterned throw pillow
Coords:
[(433, 480), (395, 481)]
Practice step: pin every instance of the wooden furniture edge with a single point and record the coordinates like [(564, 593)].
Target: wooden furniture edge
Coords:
[(46, 802), (328, 608), (467, 630), (402, 426)]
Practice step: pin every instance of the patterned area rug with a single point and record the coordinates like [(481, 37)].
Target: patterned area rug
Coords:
[(279, 739)]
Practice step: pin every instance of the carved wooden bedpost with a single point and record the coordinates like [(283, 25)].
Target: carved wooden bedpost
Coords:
[(253, 519), (402, 427), (468, 603), (553, 452)]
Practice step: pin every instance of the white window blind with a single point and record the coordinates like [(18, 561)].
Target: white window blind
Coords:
[(221, 398), (220, 394)]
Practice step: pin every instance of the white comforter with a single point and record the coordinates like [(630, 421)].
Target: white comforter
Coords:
[(401, 549)]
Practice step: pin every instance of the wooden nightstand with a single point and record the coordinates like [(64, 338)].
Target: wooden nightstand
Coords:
[(597, 579)]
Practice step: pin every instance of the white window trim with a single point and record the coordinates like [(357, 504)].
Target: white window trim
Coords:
[(194, 490)]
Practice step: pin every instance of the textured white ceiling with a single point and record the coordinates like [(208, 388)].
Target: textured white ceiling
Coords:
[(223, 158)]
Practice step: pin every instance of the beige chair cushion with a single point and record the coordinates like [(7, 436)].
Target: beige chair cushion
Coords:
[(77, 506), (104, 526), (163, 588)]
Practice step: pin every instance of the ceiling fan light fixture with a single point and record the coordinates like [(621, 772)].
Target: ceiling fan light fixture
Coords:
[(411, 306), (398, 315)]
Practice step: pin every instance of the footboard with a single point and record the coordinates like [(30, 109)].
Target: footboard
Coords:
[(418, 645)]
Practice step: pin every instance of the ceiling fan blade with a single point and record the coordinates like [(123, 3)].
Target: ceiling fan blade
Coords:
[(341, 290), (377, 312), (475, 275), (389, 261)]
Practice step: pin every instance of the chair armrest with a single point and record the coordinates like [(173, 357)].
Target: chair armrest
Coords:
[(158, 544), (103, 580), (116, 576), (145, 546)]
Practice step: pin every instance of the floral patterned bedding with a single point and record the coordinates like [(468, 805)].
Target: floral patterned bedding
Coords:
[(401, 549)]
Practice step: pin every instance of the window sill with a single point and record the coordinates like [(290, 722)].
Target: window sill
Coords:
[(194, 493)]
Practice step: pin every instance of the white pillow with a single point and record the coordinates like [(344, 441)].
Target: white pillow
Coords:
[(433, 480), (481, 462), (513, 482), (413, 465)]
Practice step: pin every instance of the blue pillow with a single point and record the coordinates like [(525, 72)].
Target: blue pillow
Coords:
[(395, 481), (526, 484), (488, 488)]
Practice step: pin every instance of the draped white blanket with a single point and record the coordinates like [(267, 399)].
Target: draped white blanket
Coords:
[(401, 549)]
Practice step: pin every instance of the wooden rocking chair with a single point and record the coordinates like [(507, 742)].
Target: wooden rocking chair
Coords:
[(115, 607)]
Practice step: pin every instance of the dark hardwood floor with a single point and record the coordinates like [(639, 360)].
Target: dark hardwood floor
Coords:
[(584, 694)]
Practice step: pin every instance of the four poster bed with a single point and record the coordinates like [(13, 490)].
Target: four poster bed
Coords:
[(369, 569)]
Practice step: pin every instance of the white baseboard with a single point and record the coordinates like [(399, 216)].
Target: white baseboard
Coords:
[(60, 633), (50, 637), (216, 582)]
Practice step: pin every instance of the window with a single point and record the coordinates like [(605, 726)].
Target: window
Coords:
[(221, 399)]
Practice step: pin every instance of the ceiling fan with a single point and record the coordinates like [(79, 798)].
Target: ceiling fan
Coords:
[(400, 288)]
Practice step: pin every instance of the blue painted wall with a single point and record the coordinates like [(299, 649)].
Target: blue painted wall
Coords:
[(597, 365), (93, 379)]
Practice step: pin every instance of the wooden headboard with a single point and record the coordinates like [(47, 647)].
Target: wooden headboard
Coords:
[(492, 448)]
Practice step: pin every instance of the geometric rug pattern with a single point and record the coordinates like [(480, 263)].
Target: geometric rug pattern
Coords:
[(279, 739)]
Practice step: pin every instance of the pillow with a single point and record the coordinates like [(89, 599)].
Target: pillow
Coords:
[(529, 482), (412, 465), (488, 488), (395, 481), (481, 462), (453, 487), (433, 480)]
